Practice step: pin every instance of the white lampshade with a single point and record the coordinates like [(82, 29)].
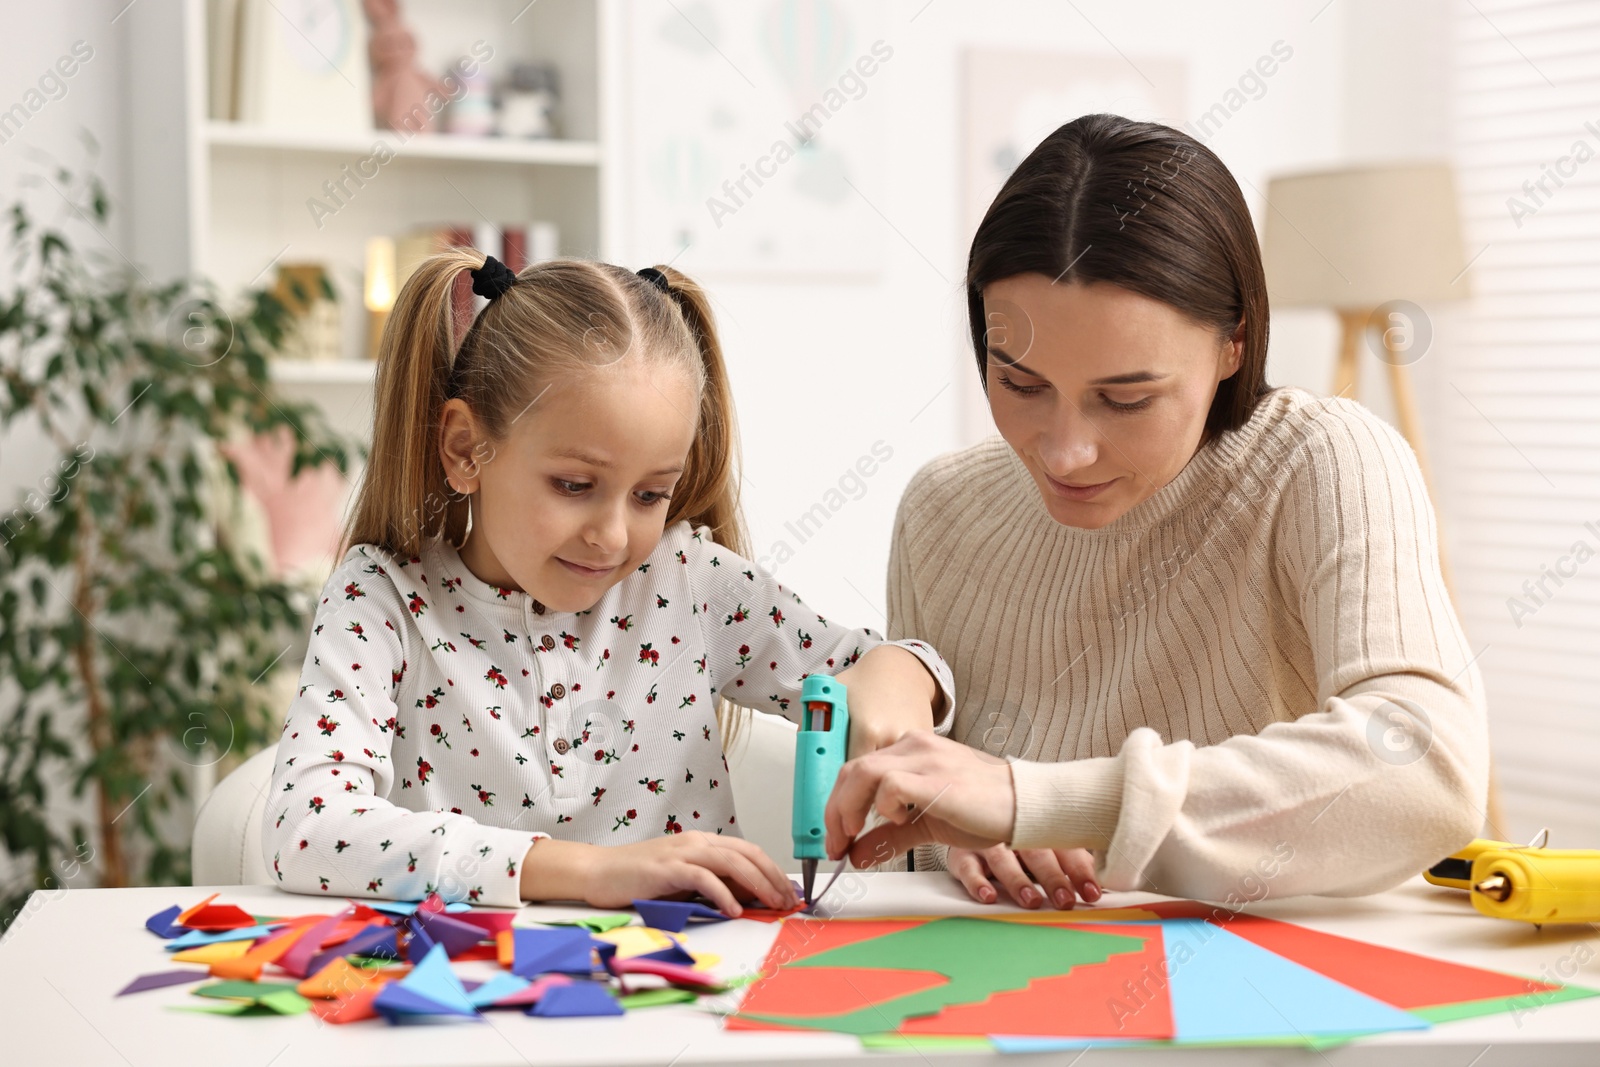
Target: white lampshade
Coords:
[(1355, 239)]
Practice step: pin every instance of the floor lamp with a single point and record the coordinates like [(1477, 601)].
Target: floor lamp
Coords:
[(1379, 245)]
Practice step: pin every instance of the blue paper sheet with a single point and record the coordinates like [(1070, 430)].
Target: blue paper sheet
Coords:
[(563, 949), (196, 938), (431, 988), (164, 924), (1224, 987), (577, 999), (674, 915)]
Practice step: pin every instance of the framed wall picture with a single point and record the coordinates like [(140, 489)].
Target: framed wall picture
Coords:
[(303, 65)]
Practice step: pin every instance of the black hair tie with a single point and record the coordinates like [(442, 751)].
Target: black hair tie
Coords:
[(657, 279), (493, 278)]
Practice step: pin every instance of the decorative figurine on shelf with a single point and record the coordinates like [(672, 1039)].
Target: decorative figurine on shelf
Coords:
[(528, 101), (400, 89)]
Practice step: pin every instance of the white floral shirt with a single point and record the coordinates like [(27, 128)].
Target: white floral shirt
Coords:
[(443, 724)]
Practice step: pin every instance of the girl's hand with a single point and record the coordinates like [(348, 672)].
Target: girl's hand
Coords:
[(1062, 872), (928, 788), (724, 870), (891, 694)]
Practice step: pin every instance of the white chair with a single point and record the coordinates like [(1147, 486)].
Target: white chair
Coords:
[(226, 848)]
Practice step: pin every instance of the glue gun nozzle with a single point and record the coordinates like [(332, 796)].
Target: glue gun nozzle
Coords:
[(1496, 887), (808, 877)]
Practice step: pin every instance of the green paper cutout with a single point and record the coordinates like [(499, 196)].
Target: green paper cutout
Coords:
[(1472, 1009), (240, 990), (650, 998), (978, 957), (925, 1043), (597, 924)]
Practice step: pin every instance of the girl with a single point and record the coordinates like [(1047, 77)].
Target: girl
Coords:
[(512, 683)]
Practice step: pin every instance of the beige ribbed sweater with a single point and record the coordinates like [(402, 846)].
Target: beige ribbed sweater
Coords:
[(1207, 693)]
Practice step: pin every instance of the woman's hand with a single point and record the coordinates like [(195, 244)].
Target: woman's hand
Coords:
[(891, 694), (1062, 872), (927, 788), (724, 870)]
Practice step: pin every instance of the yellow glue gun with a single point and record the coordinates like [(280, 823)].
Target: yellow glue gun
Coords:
[(1534, 885)]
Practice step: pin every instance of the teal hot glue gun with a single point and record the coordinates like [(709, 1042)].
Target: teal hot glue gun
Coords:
[(819, 752)]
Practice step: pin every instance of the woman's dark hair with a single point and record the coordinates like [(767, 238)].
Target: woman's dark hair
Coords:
[(1141, 206)]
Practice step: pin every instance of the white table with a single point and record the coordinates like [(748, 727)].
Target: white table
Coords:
[(63, 961)]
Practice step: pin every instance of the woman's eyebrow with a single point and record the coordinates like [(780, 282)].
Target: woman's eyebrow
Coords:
[(1131, 378)]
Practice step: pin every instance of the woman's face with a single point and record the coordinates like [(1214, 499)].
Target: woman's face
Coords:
[(1102, 392)]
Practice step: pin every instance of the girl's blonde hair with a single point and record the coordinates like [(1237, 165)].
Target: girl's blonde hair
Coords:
[(561, 317)]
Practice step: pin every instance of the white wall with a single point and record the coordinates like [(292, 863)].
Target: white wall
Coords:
[(825, 369)]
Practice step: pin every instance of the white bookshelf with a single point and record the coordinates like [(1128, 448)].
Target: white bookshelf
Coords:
[(230, 200)]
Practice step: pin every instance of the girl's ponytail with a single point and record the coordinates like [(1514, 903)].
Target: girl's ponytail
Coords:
[(708, 492), (404, 502)]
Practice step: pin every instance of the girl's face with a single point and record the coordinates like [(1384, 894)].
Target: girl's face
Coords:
[(1102, 392), (575, 497)]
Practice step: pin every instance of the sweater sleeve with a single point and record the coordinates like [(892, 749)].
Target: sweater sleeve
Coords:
[(328, 825), (762, 640), (1385, 775)]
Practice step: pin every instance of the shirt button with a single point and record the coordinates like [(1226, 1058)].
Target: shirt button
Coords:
[(548, 642), (562, 746), (538, 608), (558, 691)]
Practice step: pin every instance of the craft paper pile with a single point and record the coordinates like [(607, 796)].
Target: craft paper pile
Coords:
[(1178, 973), (396, 961)]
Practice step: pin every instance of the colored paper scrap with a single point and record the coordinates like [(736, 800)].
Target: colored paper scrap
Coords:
[(193, 938), (402, 908), (455, 935), (161, 980), (651, 998), (673, 973), (673, 915), (531, 993), (598, 924), (431, 988), (636, 940), (277, 997), (1225, 988), (495, 989), (569, 950), (377, 940), (338, 978), (297, 960), (576, 999), (350, 1009), (218, 917), (165, 923), (222, 950), (490, 922)]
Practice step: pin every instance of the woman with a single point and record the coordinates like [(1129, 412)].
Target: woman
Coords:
[(1207, 615)]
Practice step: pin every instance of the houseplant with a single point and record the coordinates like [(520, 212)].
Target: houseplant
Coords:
[(134, 629)]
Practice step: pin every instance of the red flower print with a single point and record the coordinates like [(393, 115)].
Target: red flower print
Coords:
[(424, 768), (623, 623), (416, 605), (777, 616), (495, 675), (739, 615), (485, 796), (649, 655), (316, 805), (352, 590), (653, 784), (337, 756), (673, 826), (327, 725)]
